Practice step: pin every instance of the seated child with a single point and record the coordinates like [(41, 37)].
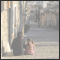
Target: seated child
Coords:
[(29, 47)]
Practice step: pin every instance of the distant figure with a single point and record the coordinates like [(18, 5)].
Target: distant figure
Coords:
[(29, 47), (38, 15), (18, 45)]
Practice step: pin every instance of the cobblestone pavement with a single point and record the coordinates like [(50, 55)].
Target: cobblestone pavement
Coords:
[(46, 42)]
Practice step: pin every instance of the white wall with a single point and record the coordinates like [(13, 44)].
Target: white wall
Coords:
[(45, 4)]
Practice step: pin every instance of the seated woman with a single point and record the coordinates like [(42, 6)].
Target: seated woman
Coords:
[(17, 45), (29, 47)]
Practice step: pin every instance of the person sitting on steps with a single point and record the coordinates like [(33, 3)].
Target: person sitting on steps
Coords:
[(18, 45), (29, 47)]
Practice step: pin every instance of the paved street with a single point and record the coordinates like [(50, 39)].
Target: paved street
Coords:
[(46, 42)]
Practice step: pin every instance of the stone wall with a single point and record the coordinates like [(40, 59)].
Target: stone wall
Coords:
[(5, 24), (49, 20), (4, 29)]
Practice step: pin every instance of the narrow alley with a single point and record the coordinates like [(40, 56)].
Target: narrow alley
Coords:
[(38, 20)]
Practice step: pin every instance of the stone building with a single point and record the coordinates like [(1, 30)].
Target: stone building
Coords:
[(10, 22), (50, 16), (5, 27)]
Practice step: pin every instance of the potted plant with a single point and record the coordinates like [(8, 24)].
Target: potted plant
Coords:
[(26, 28)]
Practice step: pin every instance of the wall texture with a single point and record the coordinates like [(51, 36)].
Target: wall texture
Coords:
[(4, 28)]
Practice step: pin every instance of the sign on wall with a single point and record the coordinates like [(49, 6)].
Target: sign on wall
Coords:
[(2, 6)]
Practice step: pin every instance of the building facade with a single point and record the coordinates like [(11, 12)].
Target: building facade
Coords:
[(50, 16), (10, 23)]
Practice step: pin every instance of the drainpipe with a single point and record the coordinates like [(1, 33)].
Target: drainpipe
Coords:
[(7, 47)]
